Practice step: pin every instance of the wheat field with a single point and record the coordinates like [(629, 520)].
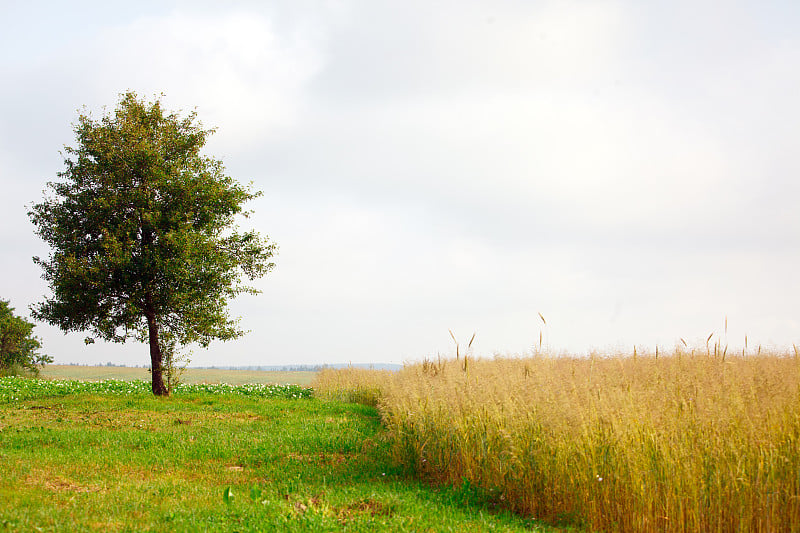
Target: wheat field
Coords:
[(685, 441)]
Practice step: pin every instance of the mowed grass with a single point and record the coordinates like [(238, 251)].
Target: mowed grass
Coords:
[(190, 375), (684, 442), (121, 460)]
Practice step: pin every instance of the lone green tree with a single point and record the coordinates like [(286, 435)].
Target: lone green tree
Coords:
[(19, 349), (142, 233)]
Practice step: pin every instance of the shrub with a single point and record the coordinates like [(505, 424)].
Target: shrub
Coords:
[(18, 347)]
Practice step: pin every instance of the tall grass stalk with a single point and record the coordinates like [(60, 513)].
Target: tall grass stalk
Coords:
[(681, 442)]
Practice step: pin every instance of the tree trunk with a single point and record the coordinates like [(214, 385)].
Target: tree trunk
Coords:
[(156, 360), (156, 363)]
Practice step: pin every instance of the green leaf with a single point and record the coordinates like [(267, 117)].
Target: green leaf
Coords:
[(142, 234)]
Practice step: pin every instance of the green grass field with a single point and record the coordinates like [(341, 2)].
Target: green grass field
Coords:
[(114, 458), (190, 375)]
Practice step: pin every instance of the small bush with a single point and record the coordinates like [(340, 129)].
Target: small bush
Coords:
[(15, 370), (19, 349)]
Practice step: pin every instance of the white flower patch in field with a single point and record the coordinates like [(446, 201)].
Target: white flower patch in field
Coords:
[(16, 388)]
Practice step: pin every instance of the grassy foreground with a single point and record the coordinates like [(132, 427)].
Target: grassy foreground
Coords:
[(113, 458), (685, 442)]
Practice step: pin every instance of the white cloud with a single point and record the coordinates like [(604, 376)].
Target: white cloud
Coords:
[(624, 168), (243, 74)]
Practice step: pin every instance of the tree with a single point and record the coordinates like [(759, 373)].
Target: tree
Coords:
[(18, 347), (142, 232)]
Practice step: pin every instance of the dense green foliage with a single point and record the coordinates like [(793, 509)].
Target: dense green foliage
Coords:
[(96, 461), (142, 233), (19, 349)]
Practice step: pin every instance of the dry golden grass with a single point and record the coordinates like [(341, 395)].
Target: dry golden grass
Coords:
[(623, 443)]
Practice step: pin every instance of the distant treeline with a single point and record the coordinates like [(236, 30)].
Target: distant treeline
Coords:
[(109, 363), (271, 368), (306, 368)]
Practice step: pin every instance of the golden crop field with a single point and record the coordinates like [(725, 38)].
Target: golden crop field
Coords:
[(190, 375), (676, 442)]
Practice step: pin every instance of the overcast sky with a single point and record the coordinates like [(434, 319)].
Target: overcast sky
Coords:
[(629, 169)]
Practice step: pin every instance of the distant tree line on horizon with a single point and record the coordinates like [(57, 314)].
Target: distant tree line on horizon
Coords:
[(261, 368)]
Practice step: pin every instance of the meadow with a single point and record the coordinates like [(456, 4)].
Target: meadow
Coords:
[(109, 456), (190, 375), (693, 440)]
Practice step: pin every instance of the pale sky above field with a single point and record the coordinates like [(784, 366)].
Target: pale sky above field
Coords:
[(630, 169)]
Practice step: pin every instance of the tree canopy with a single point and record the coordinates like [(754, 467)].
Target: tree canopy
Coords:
[(141, 226), (19, 349)]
